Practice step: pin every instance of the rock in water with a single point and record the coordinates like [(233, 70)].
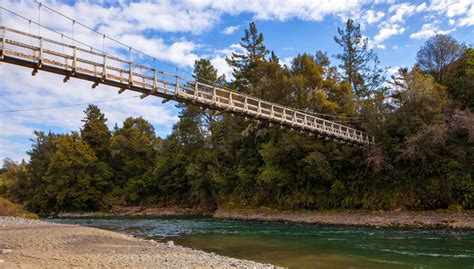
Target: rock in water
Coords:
[(170, 243)]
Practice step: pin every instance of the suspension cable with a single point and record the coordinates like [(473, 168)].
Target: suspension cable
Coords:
[(129, 47), (39, 18), (1, 12)]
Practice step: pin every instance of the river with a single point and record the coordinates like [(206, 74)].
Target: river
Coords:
[(304, 246)]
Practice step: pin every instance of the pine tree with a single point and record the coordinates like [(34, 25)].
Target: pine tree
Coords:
[(204, 72), (96, 133), (133, 149), (359, 63), (274, 58), (245, 65)]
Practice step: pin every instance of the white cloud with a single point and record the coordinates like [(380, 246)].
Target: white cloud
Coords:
[(393, 70), (461, 9), (403, 10), (13, 149), (310, 10), (230, 29), (451, 7), (428, 30), (181, 16), (286, 61), (129, 30), (468, 19), (12, 128), (388, 30), (180, 52), (373, 16)]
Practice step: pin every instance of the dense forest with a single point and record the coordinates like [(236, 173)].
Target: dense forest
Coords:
[(420, 116)]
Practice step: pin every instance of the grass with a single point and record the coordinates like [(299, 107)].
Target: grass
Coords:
[(8, 208)]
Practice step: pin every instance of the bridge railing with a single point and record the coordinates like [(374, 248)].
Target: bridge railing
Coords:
[(107, 69)]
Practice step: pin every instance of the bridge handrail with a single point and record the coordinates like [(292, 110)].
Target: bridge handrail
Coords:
[(173, 85)]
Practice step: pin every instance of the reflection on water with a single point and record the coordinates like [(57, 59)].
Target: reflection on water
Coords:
[(305, 246)]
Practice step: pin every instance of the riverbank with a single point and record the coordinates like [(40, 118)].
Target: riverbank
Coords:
[(402, 219), (38, 244)]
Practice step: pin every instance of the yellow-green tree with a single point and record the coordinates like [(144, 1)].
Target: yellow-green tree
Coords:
[(75, 179)]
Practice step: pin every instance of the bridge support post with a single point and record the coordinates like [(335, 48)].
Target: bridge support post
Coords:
[(74, 61), (104, 69), (130, 74), (214, 95), (196, 90), (40, 58), (176, 90), (2, 48), (40, 61)]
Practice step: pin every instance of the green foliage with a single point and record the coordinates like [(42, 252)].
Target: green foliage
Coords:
[(132, 150), (204, 72), (31, 187), (95, 132), (423, 157), (460, 79), (245, 66), (75, 178)]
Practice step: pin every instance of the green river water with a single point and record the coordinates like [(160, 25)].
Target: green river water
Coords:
[(304, 246)]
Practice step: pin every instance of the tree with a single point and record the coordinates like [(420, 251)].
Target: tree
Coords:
[(244, 65), (306, 82), (359, 63), (437, 54), (75, 179), (133, 149), (205, 73), (95, 132), (460, 79), (419, 101), (33, 186), (13, 181), (315, 85)]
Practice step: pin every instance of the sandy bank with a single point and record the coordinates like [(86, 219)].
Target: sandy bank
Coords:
[(422, 219), (38, 244)]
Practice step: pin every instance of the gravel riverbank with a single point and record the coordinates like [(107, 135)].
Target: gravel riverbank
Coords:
[(414, 219), (377, 218), (37, 244)]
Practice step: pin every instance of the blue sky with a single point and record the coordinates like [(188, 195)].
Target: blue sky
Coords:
[(178, 32)]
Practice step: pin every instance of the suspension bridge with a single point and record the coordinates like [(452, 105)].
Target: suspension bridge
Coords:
[(69, 61)]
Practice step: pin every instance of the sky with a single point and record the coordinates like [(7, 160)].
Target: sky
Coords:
[(176, 33)]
